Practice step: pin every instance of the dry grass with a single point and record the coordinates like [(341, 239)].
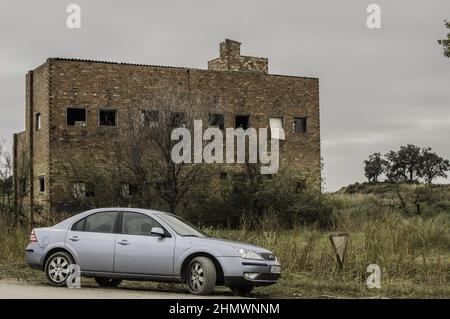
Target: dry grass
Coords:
[(13, 241), (413, 253)]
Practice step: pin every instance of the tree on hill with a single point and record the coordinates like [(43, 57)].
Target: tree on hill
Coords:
[(409, 164), (405, 164), (374, 167), (432, 166)]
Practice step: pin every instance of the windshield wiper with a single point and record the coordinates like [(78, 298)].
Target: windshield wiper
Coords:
[(189, 235)]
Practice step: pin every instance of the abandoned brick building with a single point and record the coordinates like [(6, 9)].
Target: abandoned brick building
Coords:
[(83, 103)]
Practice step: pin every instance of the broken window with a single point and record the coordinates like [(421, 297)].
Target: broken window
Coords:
[(41, 184), (82, 190), (150, 118), (300, 125), (223, 175), (78, 190), (178, 119), (128, 190), (242, 121), (37, 121), (300, 186), (76, 116), (90, 190), (125, 190), (108, 117), (217, 120), (276, 128)]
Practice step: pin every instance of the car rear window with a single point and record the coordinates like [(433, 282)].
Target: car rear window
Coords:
[(79, 225), (103, 222)]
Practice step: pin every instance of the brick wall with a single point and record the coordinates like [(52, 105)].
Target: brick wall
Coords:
[(40, 149)]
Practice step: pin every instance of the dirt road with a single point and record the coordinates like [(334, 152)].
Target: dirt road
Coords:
[(16, 290)]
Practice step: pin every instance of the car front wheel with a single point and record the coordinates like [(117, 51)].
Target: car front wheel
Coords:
[(107, 282), (57, 268), (201, 276)]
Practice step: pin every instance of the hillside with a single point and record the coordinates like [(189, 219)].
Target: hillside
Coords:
[(381, 188)]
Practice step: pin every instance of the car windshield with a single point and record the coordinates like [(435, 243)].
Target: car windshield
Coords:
[(181, 227)]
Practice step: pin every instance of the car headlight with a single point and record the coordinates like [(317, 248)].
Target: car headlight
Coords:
[(249, 254)]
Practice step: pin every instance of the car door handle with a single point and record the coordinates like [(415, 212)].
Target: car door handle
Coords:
[(123, 242), (74, 238)]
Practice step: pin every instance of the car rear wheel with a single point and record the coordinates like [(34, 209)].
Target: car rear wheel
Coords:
[(107, 282), (242, 291), (57, 268), (201, 276)]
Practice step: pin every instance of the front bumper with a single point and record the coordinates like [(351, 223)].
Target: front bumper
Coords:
[(234, 269)]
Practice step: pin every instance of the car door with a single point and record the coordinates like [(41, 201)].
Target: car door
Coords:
[(93, 238), (140, 252)]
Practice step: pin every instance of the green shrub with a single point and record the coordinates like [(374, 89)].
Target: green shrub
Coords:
[(441, 207)]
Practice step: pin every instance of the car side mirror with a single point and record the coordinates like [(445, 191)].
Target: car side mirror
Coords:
[(158, 231)]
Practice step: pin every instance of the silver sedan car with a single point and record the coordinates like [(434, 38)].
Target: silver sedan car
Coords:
[(115, 244)]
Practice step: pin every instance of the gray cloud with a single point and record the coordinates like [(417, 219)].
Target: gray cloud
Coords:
[(379, 88)]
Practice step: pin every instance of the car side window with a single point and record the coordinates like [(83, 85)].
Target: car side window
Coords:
[(100, 222), (79, 225), (138, 224)]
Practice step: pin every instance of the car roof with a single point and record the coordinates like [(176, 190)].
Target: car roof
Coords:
[(121, 209), (67, 222)]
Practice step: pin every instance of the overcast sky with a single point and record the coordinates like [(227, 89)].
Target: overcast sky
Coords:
[(379, 89)]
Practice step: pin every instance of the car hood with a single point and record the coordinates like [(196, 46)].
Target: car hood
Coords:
[(211, 242)]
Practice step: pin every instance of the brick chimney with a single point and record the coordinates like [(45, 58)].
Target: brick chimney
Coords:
[(230, 49), (231, 59)]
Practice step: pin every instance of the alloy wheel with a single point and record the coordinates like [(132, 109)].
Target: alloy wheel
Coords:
[(196, 276), (58, 269)]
